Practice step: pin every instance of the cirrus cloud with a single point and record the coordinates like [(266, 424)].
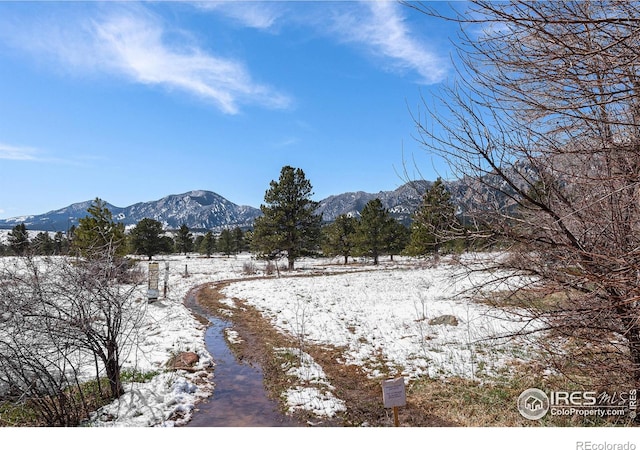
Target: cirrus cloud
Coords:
[(15, 153), (381, 29), (133, 43)]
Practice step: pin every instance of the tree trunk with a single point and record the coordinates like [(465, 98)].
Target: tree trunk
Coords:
[(113, 372)]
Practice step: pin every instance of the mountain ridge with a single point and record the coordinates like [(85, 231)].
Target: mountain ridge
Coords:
[(202, 209)]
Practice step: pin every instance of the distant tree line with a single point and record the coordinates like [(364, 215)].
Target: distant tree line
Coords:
[(289, 227)]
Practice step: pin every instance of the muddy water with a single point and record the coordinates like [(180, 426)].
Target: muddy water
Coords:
[(239, 398)]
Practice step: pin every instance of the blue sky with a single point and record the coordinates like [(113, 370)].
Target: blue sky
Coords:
[(132, 101)]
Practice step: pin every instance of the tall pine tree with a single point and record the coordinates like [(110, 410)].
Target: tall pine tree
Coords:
[(226, 244), (97, 234), (433, 222), (146, 238), (208, 244), (184, 240), (289, 223), (373, 230), (339, 237), (19, 239)]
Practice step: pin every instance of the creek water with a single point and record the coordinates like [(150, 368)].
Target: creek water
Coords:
[(239, 398)]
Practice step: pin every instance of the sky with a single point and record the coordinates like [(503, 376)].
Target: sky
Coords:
[(134, 101)]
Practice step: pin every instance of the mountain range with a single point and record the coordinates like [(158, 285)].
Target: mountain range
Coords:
[(205, 210)]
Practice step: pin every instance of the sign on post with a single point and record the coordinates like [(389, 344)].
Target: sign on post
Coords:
[(154, 276), (394, 396)]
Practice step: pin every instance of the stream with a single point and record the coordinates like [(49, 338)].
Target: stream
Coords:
[(239, 398)]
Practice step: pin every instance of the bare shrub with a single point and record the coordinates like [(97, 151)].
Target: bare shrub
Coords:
[(249, 268), (60, 318)]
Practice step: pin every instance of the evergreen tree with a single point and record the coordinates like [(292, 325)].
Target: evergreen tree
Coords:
[(238, 240), (42, 244), (19, 239), (60, 244), (146, 239), (184, 240), (339, 237), (373, 230), (197, 242), (167, 245), (289, 224), (433, 221), (98, 234), (226, 243), (208, 244), (397, 238)]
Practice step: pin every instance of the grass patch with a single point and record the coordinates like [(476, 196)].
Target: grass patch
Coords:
[(81, 401), (19, 415), (136, 376), (492, 401), (530, 299)]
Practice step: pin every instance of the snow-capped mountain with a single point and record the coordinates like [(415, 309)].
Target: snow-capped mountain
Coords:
[(196, 209), (401, 202), (205, 210)]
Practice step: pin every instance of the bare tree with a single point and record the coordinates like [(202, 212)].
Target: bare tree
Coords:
[(97, 310), (543, 124), (61, 321)]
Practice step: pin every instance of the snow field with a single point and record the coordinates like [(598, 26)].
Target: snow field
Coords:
[(382, 318), (380, 315)]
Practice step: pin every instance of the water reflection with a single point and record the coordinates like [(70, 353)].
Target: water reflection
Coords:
[(239, 398)]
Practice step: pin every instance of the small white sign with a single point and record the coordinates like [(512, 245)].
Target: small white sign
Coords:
[(393, 393)]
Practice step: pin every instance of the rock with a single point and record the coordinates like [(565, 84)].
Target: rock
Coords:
[(183, 361), (446, 319)]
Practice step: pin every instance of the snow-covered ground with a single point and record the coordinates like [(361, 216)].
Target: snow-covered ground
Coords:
[(169, 328), (390, 316), (382, 315)]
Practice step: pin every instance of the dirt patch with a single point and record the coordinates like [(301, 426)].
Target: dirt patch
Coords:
[(257, 344)]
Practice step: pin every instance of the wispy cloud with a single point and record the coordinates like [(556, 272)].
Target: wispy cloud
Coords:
[(286, 142), (134, 46), (381, 28), (14, 153), (132, 42), (259, 15), (35, 155)]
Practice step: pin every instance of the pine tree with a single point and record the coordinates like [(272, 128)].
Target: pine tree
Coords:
[(98, 234), (208, 244), (289, 224), (146, 239), (226, 243), (373, 230), (433, 221), (339, 237), (19, 239), (397, 238), (184, 240), (238, 240), (60, 243), (42, 244)]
